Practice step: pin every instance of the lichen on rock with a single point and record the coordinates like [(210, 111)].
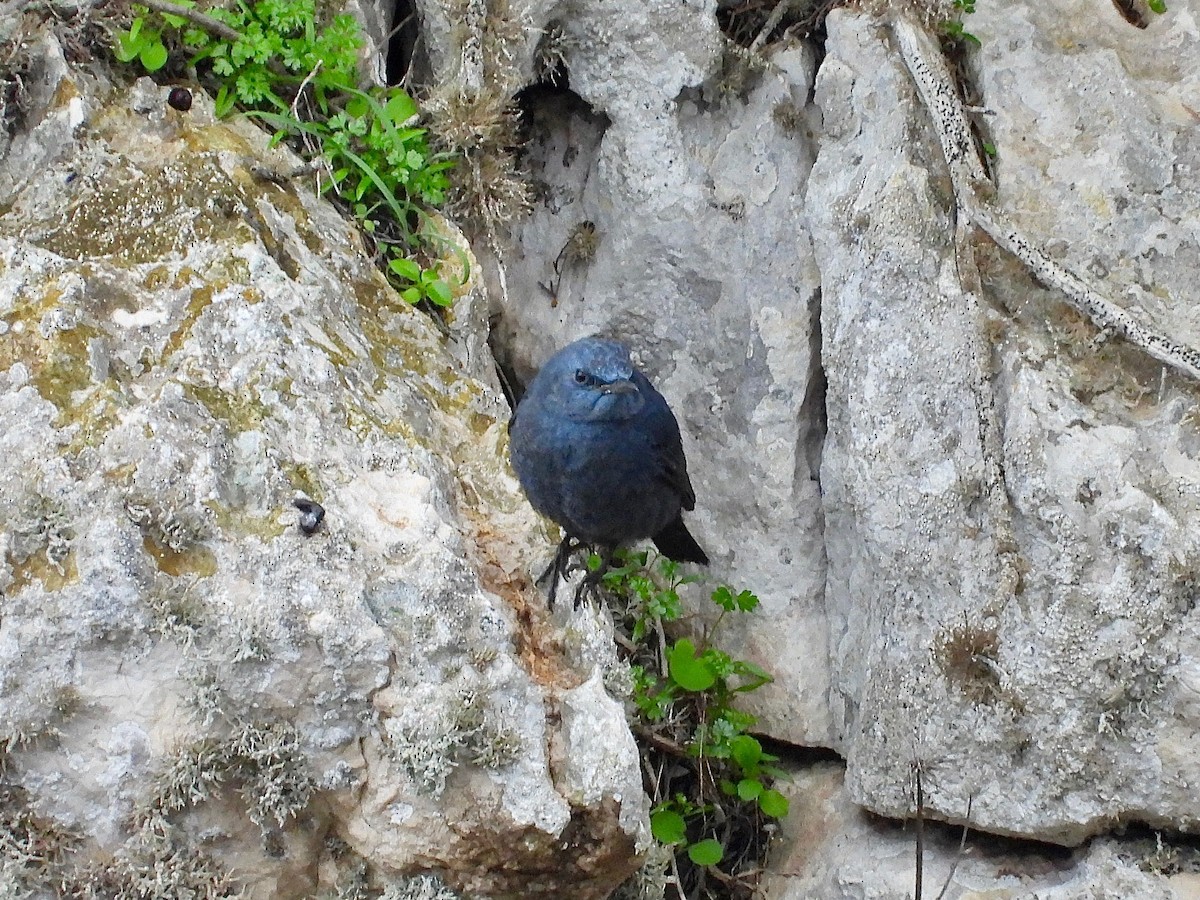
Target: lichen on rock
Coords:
[(184, 348)]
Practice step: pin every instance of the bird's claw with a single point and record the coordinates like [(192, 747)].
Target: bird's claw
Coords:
[(561, 567)]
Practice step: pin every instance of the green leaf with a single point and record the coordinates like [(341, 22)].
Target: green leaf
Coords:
[(406, 269), (749, 789), (667, 826), (706, 853), (773, 804), (224, 101), (686, 670), (400, 107), (411, 295), (723, 597), (439, 292), (128, 47), (1158, 6), (154, 57), (758, 677), (388, 196), (746, 751), (746, 601)]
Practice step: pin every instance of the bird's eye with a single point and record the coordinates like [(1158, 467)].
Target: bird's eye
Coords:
[(581, 377)]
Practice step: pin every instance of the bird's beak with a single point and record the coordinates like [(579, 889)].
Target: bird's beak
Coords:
[(623, 386)]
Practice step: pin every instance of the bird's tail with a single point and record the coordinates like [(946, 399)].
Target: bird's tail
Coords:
[(676, 542)]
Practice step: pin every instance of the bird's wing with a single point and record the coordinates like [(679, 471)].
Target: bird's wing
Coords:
[(665, 442), (675, 473)]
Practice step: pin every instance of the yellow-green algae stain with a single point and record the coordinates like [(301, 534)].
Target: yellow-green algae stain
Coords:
[(195, 560), (135, 216), (240, 412), (57, 364), (200, 300), (38, 567), (95, 417), (397, 349), (238, 521), (303, 479)]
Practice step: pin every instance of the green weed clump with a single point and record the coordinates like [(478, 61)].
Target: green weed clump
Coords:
[(712, 786), (278, 63)]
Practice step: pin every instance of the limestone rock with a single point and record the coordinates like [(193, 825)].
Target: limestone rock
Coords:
[(191, 685), (1011, 593), (831, 849)]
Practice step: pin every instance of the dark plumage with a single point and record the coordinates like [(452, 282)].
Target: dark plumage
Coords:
[(597, 450)]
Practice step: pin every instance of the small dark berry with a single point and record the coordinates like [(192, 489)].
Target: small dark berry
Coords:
[(180, 99), (311, 514)]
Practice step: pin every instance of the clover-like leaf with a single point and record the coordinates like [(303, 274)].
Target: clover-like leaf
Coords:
[(668, 827), (688, 671), (773, 804), (706, 853)]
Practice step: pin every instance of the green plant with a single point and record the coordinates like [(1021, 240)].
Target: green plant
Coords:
[(425, 284), (145, 44), (279, 46), (271, 58), (954, 28), (685, 692)]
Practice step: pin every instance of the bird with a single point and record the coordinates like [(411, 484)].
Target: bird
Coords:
[(597, 449)]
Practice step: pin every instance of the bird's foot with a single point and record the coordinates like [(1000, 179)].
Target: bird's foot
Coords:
[(562, 566), (594, 578)]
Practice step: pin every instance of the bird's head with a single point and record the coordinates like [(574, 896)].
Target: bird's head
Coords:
[(593, 379)]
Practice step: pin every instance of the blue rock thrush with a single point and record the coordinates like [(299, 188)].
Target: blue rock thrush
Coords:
[(597, 450)]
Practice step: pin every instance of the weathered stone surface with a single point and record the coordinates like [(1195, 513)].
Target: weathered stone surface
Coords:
[(1011, 599), (1098, 155), (184, 349), (829, 849), (690, 166)]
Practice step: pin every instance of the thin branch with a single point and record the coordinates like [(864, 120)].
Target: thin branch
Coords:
[(919, 875), (208, 23), (675, 879), (391, 34), (772, 23), (973, 192), (303, 84), (962, 846), (661, 743)]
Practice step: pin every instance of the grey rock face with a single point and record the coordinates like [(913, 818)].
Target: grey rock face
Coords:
[(1031, 648), (832, 850), (183, 350), (689, 164)]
